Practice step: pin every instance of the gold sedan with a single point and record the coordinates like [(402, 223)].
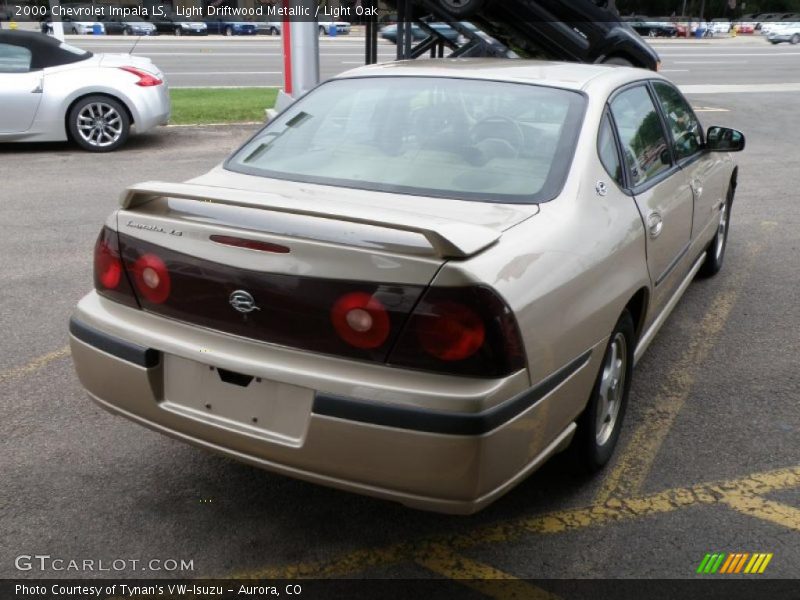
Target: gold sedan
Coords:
[(418, 282)]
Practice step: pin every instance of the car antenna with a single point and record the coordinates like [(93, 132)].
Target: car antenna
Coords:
[(134, 45)]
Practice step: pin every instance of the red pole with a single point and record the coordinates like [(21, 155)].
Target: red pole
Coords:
[(286, 32)]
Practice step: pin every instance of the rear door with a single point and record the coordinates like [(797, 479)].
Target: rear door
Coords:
[(660, 188), (20, 89)]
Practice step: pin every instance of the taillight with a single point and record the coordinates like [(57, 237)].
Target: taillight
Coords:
[(466, 331), (451, 331), (109, 274), (361, 320), (145, 79), (152, 278), (107, 265)]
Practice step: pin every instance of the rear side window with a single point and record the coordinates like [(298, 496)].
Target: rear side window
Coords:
[(607, 149), (14, 59), (641, 135)]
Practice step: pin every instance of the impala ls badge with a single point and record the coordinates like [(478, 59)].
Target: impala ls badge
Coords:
[(243, 301)]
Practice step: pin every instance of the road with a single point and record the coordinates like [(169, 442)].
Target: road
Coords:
[(708, 460), (746, 60)]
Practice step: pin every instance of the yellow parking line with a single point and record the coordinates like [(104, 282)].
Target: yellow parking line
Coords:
[(34, 365), (483, 578), (766, 510), (595, 515), (634, 464)]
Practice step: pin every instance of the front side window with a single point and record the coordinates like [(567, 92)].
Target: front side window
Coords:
[(641, 135), (454, 138), (14, 59), (687, 134)]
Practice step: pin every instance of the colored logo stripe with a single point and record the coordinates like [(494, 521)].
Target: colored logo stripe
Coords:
[(734, 563)]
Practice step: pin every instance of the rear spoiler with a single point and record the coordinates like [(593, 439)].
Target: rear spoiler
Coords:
[(448, 238)]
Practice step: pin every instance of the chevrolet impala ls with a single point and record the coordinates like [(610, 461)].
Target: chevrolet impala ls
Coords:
[(418, 282)]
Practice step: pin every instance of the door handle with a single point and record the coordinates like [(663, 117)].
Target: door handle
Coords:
[(655, 224), (38, 88), (697, 189)]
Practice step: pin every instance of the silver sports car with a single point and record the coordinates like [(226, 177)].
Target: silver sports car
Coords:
[(51, 91), (419, 281)]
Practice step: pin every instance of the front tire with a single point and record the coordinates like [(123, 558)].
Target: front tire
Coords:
[(619, 61), (600, 423), (462, 8), (178, 31), (99, 124), (228, 31), (715, 253), (795, 39)]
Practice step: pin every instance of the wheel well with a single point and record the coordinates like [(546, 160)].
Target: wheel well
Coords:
[(79, 98), (735, 177), (637, 306)]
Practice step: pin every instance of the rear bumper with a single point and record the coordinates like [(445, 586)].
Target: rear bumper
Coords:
[(151, 107), (333, 432)]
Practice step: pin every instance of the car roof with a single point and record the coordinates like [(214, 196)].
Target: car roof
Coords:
[(565, 75), (45, 50)]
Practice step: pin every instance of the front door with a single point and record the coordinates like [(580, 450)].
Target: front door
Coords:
[(20, 89)]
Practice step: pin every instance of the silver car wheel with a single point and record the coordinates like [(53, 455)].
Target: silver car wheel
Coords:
[(612, 388), (722, 230), (99, 124)]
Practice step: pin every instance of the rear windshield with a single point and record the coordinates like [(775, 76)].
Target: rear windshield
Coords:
[(453, 138)]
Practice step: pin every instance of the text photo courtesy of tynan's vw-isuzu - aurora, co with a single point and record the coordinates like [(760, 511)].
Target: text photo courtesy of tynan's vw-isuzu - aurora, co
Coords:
[(493, 282)]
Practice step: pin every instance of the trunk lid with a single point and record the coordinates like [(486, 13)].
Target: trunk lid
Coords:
[(300, 264)]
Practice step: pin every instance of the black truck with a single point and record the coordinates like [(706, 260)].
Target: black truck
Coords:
[(587, 31)]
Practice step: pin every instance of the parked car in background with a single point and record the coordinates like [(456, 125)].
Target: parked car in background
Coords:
[(342, 27), (785, 32), (652, 28), (720, 26), (51, 91), (773, 20), (76, 27), (269, 27), (389, 32), (131, 25), (429, 333), (171, 23), (227, 27)]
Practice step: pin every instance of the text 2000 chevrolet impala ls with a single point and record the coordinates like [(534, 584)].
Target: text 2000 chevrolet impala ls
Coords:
[(418, 282)]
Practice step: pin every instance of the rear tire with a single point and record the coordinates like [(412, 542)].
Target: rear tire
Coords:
[(228, 31), (178, 31), (321, 30), (98, 123), (600, 423), (715, 253), (795, 39), (462, 8)]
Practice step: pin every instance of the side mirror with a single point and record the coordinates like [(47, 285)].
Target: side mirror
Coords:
[(722, 139)]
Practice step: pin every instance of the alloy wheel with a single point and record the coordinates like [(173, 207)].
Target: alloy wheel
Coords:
[(612, 388), (99, 124)]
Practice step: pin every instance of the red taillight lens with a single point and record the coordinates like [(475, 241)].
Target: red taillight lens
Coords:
[(110, 279), (361, 320), (107, 265), (465, 331), (145, 79), (451, 331), (152, 278)]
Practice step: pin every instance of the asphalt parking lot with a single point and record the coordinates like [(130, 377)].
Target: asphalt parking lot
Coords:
[(708, 461)]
